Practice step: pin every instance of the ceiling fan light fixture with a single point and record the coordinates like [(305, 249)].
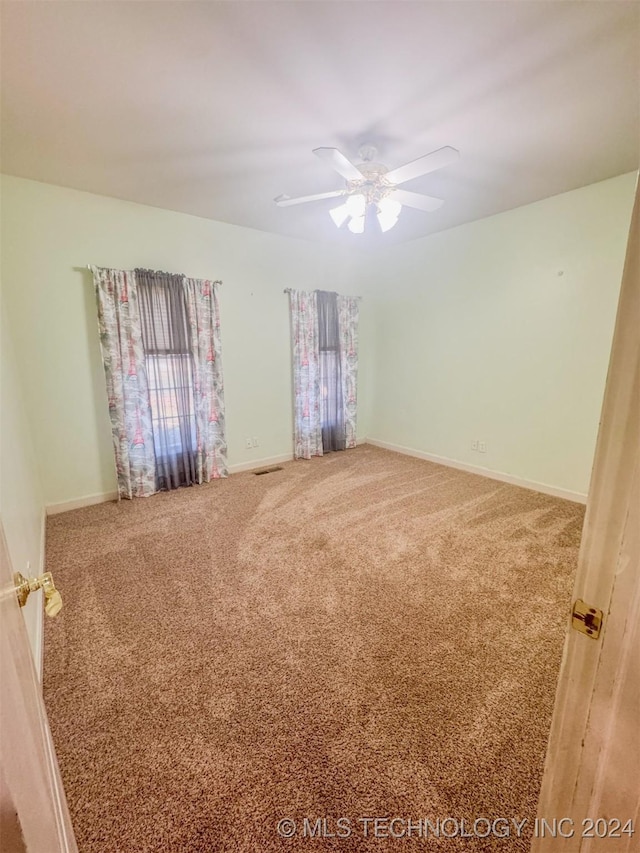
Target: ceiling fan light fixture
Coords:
[(389, 207), (386, 222), (371, 188), (388, 213), (339, 214), (356, 205)]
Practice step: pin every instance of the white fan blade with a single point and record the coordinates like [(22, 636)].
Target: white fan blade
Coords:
[(423, 165), (417, 200), (339, 162), (285, 201)]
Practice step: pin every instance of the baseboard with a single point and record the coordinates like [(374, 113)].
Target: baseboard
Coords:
[(260, 463), (103, 497), (270, 460), (555, 491), (78, 503)]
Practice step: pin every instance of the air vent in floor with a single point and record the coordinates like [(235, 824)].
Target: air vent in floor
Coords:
[(268, 470)]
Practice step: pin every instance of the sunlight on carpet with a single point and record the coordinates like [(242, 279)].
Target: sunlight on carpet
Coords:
[(362, 635)]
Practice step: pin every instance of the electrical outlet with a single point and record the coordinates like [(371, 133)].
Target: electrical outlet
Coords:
[(255, 441), (474, 444), (248, 444), (482, 446)]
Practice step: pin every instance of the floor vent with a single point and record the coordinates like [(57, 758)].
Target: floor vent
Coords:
[(268, 470)]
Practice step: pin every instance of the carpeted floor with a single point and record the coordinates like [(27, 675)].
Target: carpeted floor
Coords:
[(363, 635)]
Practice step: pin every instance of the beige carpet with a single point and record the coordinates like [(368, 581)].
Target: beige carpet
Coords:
[(362, 635)]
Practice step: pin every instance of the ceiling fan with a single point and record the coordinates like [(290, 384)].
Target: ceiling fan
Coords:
[(371, 184)]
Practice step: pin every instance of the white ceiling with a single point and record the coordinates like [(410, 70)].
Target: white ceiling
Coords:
[(212, 108)]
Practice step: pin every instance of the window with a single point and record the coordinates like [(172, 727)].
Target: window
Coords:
[(169, 364), (170, 380), (331, 402)]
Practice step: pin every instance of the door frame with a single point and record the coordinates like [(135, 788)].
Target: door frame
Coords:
[(598, 681), (33, 801)]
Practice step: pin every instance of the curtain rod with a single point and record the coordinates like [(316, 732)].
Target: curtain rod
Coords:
[(216, 281), (291, 290)]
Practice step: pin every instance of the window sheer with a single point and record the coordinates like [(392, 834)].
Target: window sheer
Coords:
[(331, 402), (169, 365)]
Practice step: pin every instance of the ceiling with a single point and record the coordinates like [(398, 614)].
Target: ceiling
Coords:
[(212, 108)]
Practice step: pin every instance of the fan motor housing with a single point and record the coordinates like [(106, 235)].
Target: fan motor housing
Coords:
[(374, 187)]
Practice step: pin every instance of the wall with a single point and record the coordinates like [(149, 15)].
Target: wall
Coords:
[(468, 334), (500, 330), (51, 233), (21, 499)]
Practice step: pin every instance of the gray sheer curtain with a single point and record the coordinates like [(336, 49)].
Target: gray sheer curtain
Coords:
[(168, 358), (332, 418)]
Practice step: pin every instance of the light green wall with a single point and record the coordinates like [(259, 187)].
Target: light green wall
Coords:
[(51, 233), (470, 333), (500, 330), (21, 498)]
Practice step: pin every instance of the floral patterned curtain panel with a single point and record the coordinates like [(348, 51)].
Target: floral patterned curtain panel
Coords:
[(306, 382), (348, 315), (203, 316), (188, 394), (126, 378), (308, 377)]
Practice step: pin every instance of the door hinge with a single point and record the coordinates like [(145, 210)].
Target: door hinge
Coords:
[(586, 619)]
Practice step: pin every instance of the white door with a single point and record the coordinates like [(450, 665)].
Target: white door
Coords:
[(33, 809), (592, 772)]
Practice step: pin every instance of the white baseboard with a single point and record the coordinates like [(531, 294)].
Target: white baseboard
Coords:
[(260, 463), (253, 464), (78, 503), (103, 497), (555, 491), (271, 460)]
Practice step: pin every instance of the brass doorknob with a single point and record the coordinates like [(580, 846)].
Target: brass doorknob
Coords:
[(53, 603), (52, 598)]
